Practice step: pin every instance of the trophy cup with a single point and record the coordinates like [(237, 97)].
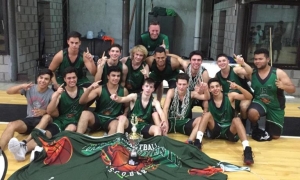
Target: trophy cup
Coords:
[(134, 139)]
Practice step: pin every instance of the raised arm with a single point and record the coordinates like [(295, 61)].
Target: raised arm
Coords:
[(19, 88), (176, 64), (56, 61), (149, 60), (244, 69), (284, 82), (89, 62), (183, 63), (124, 74), (125, 99), (100, 65), (246, 95), (91, 93), (52, 106)]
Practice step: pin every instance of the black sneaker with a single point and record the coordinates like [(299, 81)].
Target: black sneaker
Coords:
[(248, 156), (198, 144)]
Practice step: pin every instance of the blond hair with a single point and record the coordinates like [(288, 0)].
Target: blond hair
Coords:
[(137, 48)]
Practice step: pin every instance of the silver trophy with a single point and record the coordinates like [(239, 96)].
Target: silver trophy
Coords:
[(134, 139)]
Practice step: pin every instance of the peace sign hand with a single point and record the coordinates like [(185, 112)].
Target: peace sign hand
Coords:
[(144, 71), (101, 62), (239, 59)]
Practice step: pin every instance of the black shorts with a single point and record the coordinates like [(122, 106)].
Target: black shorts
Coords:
[(31, 122), (54, 129), (188, 128), (145, 131), (222, 133), (97, 125)]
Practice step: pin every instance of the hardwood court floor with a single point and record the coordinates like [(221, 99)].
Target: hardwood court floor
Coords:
[(274, 160)]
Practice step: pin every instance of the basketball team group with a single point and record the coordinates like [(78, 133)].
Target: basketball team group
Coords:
[(123, 89)]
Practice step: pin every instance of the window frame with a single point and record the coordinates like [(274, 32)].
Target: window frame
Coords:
[(248, 14)]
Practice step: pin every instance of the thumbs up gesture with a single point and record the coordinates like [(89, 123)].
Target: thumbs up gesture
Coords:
[(163, 44)]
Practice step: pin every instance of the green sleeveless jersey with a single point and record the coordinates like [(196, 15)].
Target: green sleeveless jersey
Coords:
[(105, 72), (106, 106), (135, 79), (266, 90), (174, 114), (233, 78), (143, 114), (151, 44), (167, 73), (78, 64), (69, 108), (224, 114)]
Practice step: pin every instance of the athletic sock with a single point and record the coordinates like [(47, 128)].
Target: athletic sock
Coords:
[(199, 135), (245, 143)]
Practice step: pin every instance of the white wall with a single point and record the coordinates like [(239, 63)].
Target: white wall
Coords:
[(107, 15)]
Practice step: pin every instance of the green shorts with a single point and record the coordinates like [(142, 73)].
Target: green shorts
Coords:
[(184, 126), (275, 116)]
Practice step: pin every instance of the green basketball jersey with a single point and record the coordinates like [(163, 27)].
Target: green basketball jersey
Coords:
[(233, 78), (267, 91), (167, 73), (135, 79), (151, 44), (69, 108), (143, 114), (106, 106), (78, 64), (224, 114), (105, 72)]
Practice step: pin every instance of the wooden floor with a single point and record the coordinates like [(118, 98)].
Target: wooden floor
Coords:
[(274, 160)]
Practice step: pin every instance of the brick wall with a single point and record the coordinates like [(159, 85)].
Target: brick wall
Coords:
[(27, 36), (223, 35), (5, 68), (53, 26)]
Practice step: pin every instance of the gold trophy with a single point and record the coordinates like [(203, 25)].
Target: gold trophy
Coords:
[(134, 139)]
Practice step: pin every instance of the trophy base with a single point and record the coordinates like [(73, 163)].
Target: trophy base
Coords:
[(133, 161)]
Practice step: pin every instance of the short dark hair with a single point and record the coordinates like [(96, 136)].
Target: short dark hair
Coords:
[(258, 26), (154, 22), (46, 71), (149, 81), (159, 50), (113, 69), (196, 52), (69, 70), (74, 34), (213, 80), (262, 51), (222, 55), (115, 45), (183, 76)]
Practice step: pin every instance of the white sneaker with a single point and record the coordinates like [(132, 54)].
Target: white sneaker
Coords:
[(18, 149), (35, 153)]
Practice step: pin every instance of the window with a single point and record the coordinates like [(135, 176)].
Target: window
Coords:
[(3, 28), (276, 28)]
